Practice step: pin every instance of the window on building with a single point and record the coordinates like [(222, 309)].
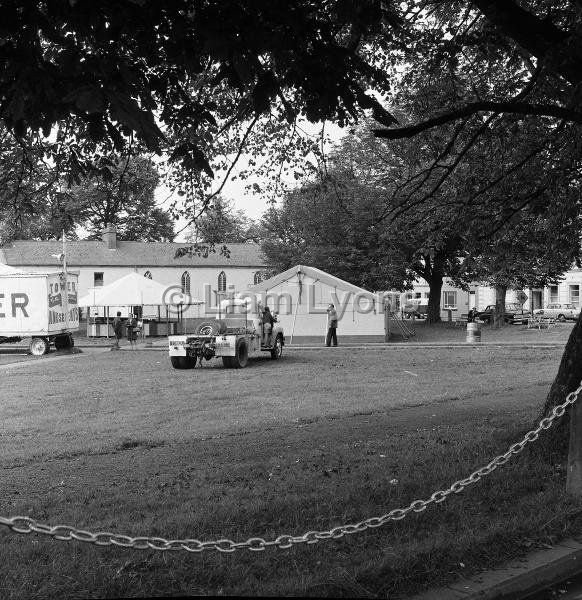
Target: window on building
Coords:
[(258, 277), (185, 282), (148, 274), (97, 279), (222, 282), (575, 295), (418, 295), (553, 293), (427, 294), (449, 300)]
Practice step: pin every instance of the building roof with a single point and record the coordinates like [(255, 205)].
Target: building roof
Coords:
[(135, 254), (316, 274)]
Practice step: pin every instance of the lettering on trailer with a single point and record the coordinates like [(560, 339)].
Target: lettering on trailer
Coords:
[(60, 317), (59, 286), (17, 300)]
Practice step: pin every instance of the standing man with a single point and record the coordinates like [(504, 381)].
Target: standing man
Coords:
[(117, 331), (331, 326), (131, 324)]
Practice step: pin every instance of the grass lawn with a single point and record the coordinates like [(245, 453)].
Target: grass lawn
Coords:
[(121, 442)]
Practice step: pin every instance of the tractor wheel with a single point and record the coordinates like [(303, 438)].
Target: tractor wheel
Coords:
[(241, 357), (214, 327), (277, 350)]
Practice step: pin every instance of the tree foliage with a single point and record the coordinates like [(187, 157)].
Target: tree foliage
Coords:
[(332, 224), (221, 223), (126, 200)]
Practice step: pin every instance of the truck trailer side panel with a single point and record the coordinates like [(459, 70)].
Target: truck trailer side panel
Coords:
[(38, 304)]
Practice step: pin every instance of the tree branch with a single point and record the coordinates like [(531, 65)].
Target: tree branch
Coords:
[(520, 108)]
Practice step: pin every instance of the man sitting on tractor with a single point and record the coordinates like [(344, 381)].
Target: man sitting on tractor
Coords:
[(268, 321)]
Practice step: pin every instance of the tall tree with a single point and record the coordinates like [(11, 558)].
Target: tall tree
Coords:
[(332, 224), (127, 200), (33, 202), (222, 223)]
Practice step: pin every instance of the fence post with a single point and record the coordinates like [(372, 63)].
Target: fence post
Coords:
[(574, 476)]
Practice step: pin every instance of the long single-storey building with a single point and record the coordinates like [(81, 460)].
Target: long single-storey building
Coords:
[(103, 261)]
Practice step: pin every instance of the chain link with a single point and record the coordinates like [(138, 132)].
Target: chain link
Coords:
[(27, 525)]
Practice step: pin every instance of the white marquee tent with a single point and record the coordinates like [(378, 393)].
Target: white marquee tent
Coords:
[(301, 295), (131, 290), (134, 290)]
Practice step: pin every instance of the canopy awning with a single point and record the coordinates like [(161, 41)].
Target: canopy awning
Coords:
[(132, 290)]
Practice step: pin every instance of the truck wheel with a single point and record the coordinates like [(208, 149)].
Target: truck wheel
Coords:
[(277, 350), (227, 361), (39, 346), (182, 362), (214, 327), (64, 341), (241, 357)]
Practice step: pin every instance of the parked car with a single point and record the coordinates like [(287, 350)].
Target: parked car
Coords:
[(559, 310), (514, 314)]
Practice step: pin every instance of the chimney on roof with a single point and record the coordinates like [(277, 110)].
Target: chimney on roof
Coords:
[(109, 236)]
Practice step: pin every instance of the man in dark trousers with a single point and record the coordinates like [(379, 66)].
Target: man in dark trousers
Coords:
[(117, 331), (331, 337)]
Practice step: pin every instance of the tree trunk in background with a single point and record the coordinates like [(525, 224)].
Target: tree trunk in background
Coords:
[(433, 310), (499, 317)]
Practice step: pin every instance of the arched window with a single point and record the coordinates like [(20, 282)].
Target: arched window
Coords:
[(185, 282), (258, 277), (222, 282), (148, 274)]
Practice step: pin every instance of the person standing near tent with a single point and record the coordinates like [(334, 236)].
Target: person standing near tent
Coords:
[(117, 331), (131, 324), (331, 336)]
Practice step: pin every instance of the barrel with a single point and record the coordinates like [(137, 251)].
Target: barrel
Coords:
[(473, 333)]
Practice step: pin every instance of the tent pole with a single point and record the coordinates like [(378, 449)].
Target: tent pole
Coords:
[(107, 322), (294, 319)]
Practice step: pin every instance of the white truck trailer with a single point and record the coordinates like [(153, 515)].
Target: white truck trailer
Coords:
[(39, 306)]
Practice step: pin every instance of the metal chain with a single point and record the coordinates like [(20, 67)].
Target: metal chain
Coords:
[(21, 524)]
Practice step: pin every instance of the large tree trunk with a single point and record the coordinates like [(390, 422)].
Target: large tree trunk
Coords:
[(499, 317), (569, 372), (568, 430), (433, 310)]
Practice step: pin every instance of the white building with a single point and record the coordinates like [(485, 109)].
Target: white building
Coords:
[(103, 261), (460, 301)]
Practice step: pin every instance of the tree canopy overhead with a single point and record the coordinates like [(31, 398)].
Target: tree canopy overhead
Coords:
[(116, 69)]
